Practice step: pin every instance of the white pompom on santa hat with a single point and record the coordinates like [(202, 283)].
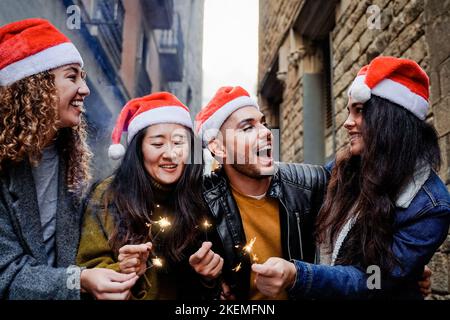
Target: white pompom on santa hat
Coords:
[(31, 46), (401, 81), (226, 101), (139, 113)]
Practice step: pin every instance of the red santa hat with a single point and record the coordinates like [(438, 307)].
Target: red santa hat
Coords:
[(139, 113), (401, 81), (227, 100), (31, 46)]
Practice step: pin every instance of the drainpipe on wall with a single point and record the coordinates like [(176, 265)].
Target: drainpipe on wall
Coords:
[(313, 119), (333, 109)]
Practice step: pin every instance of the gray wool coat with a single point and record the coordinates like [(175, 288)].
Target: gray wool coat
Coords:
[(24, 273)]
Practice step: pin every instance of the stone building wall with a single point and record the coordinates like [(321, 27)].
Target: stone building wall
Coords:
[(272, 32), (437, 36), (402, 34)]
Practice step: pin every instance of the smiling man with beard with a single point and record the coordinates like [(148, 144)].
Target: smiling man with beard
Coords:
[(271, 207)]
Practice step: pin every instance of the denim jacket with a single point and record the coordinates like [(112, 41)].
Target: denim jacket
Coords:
[(421, 225)]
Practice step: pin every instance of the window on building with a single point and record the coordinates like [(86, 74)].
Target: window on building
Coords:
[(109, 16), (272, 94), (143, 82), (143, 51), (329, 114), (318, 115), (189, 96)]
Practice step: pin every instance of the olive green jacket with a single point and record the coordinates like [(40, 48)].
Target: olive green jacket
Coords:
[(178, 282)]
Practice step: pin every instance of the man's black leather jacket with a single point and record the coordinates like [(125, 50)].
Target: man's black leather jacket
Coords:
[(300, 190)]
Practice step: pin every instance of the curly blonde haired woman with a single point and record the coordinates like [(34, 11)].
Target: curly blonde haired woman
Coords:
[(44, 168)]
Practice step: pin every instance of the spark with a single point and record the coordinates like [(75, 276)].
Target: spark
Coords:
[(163, 223), (157, 262), (249, 246), (206, 224)]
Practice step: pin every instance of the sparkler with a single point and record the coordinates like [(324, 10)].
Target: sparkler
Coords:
[(249, 246), (163, 224), (247, 250), (157, 262), (206, 225), (238, 267)]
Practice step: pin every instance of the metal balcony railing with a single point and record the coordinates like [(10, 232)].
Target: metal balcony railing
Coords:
[(109, 18), (144, 84), (171, 50), (159, 13)]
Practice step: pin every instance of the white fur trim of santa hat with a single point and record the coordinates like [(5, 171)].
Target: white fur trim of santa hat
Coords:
[(166, 114), (209, 129), (392, 91), (401, 81), (359, 91), (48, 59)]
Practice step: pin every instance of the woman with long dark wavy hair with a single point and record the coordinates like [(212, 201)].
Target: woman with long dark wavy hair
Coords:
[(386, 211), (147, 217), (44, 167)]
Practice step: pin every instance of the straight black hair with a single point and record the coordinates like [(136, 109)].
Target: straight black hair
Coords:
[(132, 196)]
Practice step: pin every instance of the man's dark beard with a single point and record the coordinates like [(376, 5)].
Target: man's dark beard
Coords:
[(250, 171)]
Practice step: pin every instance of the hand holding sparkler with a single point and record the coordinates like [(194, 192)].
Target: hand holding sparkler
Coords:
[(274, 276), (205, 262), (133, 258)]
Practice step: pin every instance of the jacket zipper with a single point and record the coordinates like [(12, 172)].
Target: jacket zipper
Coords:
[(316, 256), (288, 230), (299, 233)]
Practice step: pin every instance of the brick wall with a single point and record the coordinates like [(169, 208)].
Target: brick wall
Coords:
[(273, 29), (437, 21)]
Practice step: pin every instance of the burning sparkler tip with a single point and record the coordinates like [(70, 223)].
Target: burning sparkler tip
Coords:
[(238, 267), (157, 262)]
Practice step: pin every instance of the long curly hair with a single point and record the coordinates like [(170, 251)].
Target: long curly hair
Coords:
[(395, 143), (28, 117)]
